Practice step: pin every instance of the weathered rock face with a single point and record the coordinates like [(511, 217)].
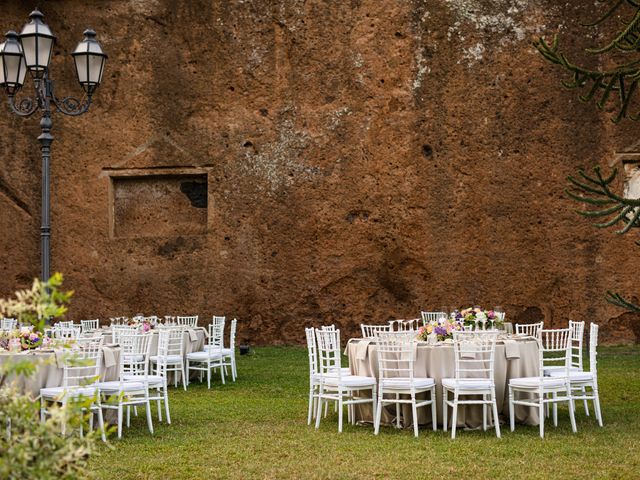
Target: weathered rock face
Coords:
[(299, 162)]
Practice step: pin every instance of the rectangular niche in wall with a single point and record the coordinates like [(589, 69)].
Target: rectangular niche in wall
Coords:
[(158, 205)]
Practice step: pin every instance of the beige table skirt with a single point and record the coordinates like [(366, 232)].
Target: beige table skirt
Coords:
[(49, 373), (438, 362)]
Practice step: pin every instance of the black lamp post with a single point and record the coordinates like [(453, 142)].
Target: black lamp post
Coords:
[(31, 51)]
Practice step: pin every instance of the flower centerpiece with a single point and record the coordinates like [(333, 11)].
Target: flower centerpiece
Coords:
[(477, 317), (441, 329)]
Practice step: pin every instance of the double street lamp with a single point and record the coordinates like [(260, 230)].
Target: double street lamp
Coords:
[(30, 51)]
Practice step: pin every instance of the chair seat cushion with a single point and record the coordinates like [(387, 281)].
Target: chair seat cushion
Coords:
[(405, 383), (69, 392), (575, 376), (225, 351), (467, 383), (124, 386), (150, 379), (533, 382), (350, 381), (549, 370), (203, 356), (172, 359)]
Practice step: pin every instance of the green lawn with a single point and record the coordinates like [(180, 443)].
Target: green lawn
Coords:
[(256, 428)]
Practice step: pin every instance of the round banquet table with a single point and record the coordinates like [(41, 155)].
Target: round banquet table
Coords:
[(517, 357), (49, 371)]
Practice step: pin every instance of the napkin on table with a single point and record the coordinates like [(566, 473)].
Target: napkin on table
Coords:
[(109, 357), (361, 348), (511, 349)]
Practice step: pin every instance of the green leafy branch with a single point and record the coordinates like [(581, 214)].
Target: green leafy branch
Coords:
[(596, 191)]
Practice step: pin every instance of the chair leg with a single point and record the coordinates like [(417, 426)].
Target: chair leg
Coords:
[(159, 406), (378, 414), (414, 414), (209, 377), (234, 374), (374, 404), (340, 411), (397, 411), (512, 413), (101, 421), (42, 411), (222, 373), (320, 401), (494, 406), (586, 404), (119, 420), (572, 409), (434, 417), (149, 420), (166, 404), (445, 410), (555, 410), (484, 413), (541, 412), (309, 414), (596, 403), (454, 415), (128, 416), (184, 377)]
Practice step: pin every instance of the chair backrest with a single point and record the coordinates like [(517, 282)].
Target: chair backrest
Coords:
[(593, 345), (190, 321), (329, 354), (396, 352), (170, 342), (405, 325), (577, 336), (90, 325), (554, 349), (9, 324), (232, 334), (371, 331), (474, 353), (529, 329), (135, 348), (81, 365), (312, 351), (331, 327), (216, 337), (118, 330), (435, 316), (217, 319), (66, 332)]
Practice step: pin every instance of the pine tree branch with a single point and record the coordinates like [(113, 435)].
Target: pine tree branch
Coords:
[(619, 301)]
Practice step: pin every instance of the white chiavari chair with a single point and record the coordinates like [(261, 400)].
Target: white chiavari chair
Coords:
[(333, 385), (371, 331), (90, 325), (218, 319), (529, 329), (212, 357), (581, 380), (474, 353), (188, 321), (81, 371), (8, 324), (396, 355), (170, 357), (432, 316), (554, 348), (577, 336), (131, 389)]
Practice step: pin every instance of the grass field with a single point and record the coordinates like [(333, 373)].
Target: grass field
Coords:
[(256, 428)]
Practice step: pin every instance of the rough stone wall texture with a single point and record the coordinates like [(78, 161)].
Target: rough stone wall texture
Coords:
[(365, 159)]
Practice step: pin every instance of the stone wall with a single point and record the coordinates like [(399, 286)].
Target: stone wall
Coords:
[(363, 160)]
